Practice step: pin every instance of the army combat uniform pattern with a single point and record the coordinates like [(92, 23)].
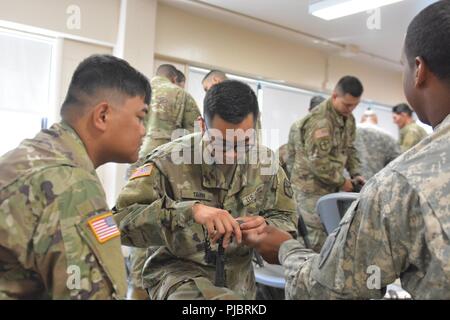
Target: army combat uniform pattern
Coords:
[(375, 149), (320, 147), (171, 108), (410, 135), (52, 210), (399, 228), (155, 209)]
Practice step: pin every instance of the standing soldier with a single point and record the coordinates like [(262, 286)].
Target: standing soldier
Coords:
[(58, 239), (322, 147), (171, 109), (295, 134), (410, 132), (189, 194)]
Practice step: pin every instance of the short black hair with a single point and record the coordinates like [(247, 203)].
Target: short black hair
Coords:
[(100, 72), (232, 100), (428, 37), (402, 107), (315, 101), (180, 76), (167, 70), (350, 85), (215, 73)]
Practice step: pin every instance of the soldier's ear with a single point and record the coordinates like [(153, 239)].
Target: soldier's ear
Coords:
[(202, 124), (100, 115), (421, 72)]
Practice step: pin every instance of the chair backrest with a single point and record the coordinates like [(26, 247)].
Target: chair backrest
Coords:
[(332, 207)]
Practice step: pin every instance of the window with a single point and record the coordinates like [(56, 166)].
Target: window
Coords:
[(25, 75)]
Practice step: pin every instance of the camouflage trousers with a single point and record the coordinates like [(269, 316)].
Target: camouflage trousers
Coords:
[(198, 288), (136, 264), (307, 207), (201, 288)]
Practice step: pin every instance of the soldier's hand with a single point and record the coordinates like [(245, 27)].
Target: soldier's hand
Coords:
[(348, 186), (253, 228), (252, 224), (268, 242), (218, 222)]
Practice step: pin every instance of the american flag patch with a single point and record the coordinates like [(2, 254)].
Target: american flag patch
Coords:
[(104, 227), (143, 171)]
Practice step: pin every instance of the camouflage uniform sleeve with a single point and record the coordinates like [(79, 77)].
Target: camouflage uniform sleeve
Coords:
[(370, 249), (144, 210), (191, 113), (280, 206), (321, 162), (62, 250), (293, 144), (353, 164)]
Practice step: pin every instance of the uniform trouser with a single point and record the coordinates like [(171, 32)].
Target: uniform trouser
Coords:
[(307, 207), (136, 263), (200, 288)]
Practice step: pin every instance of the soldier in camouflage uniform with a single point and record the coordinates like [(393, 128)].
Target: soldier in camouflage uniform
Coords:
[(400, 226), (214, 77), (376, 147), (184, 207), (289, 148), (171, 108), (410, 132), (320, 147), (58, 239)]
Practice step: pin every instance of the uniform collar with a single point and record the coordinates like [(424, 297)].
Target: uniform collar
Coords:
[(215, 179), (159, 80), (445, 123), (72, 146), (409, 124), (337, 117)]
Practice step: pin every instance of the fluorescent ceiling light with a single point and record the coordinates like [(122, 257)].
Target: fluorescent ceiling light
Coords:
[(333, 9)]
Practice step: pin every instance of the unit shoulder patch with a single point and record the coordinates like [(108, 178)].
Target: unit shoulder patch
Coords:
[(104, 227), (143, 171)]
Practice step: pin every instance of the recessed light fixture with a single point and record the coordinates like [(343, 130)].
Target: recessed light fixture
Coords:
[(333, 9)]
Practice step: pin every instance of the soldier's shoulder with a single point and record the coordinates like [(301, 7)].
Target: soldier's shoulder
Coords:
[(184, 143), (58, 184), (31, 157)]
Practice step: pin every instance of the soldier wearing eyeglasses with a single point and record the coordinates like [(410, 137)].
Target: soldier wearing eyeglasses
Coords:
[(190, 194)]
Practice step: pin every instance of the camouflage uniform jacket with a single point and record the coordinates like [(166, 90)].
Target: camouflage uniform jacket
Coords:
[(375, 149), (49, 195), (410, 135), (320, 147), (398, 229), (155, 209), (171, 108)]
